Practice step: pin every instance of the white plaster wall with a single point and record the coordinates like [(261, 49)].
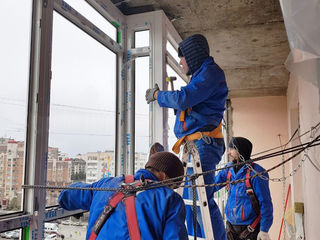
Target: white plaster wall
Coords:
[(309, 116), (262, 119)]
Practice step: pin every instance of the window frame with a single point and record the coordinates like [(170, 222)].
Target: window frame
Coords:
[(37, 132)]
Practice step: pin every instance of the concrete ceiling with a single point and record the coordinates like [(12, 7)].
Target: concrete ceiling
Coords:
[(247, 38)]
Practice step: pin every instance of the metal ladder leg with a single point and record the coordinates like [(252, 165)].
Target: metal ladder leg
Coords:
[(190, 148)]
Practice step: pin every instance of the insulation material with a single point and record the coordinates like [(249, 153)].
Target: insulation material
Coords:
[(289, 223), (301, 20)]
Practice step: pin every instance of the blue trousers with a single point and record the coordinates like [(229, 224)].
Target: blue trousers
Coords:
[(210, 156)]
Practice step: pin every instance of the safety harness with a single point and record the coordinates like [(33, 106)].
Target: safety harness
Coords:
[(254, 202), (128, 199), (215, 133)]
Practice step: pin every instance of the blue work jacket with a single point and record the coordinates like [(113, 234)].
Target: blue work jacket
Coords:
[(239, 210), (205, 94), (160, 211)]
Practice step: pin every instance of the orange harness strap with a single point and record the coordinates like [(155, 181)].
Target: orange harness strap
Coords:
[(215, 133)]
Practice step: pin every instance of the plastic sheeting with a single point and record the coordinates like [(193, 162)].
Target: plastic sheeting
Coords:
[(302, 18)]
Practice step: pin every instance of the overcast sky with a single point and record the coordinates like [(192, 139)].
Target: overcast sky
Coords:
[(82, 110), (15, 18)]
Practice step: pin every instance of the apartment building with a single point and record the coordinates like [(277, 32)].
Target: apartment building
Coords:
[(11, 172)]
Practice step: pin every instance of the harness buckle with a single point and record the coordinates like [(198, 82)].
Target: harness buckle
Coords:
[(249, 191), (205, 138), (250, 229), (107, 209)]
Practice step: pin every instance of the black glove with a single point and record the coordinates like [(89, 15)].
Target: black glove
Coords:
[(78, 216), (150, 93)]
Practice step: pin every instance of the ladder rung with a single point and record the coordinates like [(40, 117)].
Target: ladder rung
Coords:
[(192, 238), (189, 165), (190, 202)]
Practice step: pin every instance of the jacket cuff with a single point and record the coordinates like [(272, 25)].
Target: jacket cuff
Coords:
[(159, 98), (264, 229)]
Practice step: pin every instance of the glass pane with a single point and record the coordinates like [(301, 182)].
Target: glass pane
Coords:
[(82, 109), (171, 117), (15, 24), (14, 234), (142, 112), (93, 16), (142, 39), (173, 51), (67, 228)]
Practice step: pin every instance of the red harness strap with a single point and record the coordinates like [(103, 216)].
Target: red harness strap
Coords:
[(228, 180), (254, 202), (131, 214), (255, 205), (250, 192)]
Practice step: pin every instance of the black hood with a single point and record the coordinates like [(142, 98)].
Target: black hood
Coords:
[(243, 146), (195, 49)]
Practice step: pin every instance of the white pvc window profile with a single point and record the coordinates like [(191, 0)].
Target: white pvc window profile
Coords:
[(98, 20), (178, 83)]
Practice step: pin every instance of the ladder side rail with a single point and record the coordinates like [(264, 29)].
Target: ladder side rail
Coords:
[(202, 195), (191, 149)]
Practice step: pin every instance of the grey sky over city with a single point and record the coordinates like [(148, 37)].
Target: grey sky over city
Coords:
[(83, 86)]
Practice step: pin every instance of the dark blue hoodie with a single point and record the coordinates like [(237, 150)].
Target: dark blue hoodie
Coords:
[(205, 94), (195, 49)]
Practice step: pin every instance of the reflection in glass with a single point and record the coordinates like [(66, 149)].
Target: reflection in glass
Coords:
[(15, 21), (141, 112), (14, 234), (82, 109), (67, 228)]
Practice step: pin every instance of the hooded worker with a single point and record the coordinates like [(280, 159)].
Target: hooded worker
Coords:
[(199, 108), (156, 213), (249, 209)]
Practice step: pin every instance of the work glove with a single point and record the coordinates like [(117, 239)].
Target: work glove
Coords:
[(150, 93), (263, 236)]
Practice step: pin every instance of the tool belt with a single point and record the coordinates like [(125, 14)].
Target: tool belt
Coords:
[(215, 133), (242, 231)]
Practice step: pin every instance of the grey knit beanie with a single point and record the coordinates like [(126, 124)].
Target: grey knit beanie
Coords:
[(166, 162)]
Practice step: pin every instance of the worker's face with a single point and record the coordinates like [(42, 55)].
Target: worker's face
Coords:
[(233, 155), (161, 176), (184, 65)]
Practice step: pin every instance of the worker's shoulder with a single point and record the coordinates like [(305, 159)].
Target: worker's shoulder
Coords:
[(258, 167), (160, 192), (213, 68), (111, 182)]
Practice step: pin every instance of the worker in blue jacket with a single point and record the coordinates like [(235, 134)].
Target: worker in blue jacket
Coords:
[(199, 110), (160, 211), (249, 209)]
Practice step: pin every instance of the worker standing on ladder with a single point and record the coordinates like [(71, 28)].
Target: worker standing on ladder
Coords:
[(249, 209), (157, 213), (199, 111)]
